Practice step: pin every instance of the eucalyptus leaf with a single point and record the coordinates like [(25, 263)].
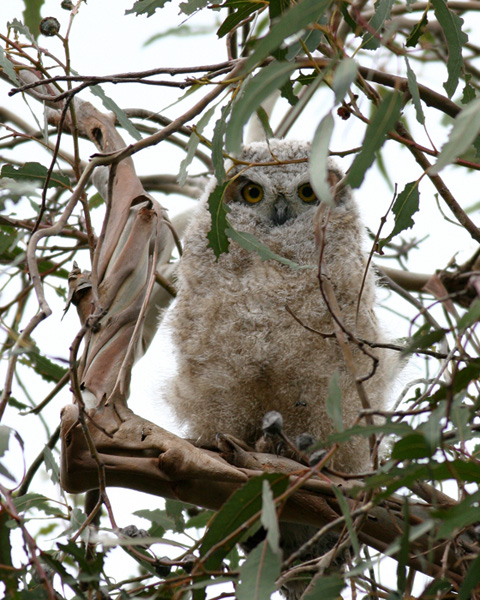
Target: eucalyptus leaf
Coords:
[(466, 127), (257, 89), (269, 518), (36, 173), (193, 144), (381, 14), (334, 403), (471, 317), (253, 244), (414, 92), (456, 39), (326, 587), (217, 237), (404, 207), (470, 580), (110, 104), (381, 123), (241, 506), (7, 67), (259, 573), (146, 7), (51, 465), (292, 21), (345, 74), (318, 160)]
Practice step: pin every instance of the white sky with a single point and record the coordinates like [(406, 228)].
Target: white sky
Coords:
[(104, 41)]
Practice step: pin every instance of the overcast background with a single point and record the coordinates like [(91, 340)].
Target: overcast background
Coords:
[(104, 41)]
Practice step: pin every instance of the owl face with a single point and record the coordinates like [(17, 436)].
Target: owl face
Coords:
[(272, 181)]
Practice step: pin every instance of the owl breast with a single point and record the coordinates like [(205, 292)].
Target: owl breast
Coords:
[(241, 353)]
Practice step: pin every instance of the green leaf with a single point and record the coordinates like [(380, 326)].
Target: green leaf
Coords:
[(217, 237), (157, 517), (345, 508), (58, 568), (249, 242), (471, 317), (5, 432), (470, 580), (244, 9), (292, 21), (417, 31), (405, 206), (411, 447), (241, 506), (269, 519), (461, 380), (318, 160), (263, 118), (35, 172), (259, 573), (148, 7), (457, 517), (399, 429), (7, 67), (48, 370), (193, 145), (7, 574), (327, 587), (345, 74), (181, 31), (451, 24), (191, 6), (51, 465), (420, 341), (90, 568), (95, 201), (110, 104), (468, 91), (413, 89), (466, 127), (174, 510), (32, 16), (334, 403), (381, 123), (382, 13), (256, 90), (218, 144), (277, 7), (29, 501), (310, 41)]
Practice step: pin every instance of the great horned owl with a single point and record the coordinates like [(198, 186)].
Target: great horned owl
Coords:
[(240, 352)]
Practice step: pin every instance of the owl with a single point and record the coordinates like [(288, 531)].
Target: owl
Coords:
[(240, 351)]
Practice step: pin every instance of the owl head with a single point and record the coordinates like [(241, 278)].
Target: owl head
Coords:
[(272, 179)]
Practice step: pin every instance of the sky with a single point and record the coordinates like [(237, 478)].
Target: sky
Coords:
[(105, 41)]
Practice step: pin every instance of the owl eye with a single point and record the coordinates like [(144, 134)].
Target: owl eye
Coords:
[(252, 193), (306, 193)]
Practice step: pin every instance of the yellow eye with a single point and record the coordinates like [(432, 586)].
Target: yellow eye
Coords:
[(306, 193), (252, 193)]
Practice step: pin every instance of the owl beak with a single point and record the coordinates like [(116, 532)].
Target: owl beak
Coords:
[(281, 211)]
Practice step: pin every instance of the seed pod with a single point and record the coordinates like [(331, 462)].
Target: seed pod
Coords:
[(49, 26)]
